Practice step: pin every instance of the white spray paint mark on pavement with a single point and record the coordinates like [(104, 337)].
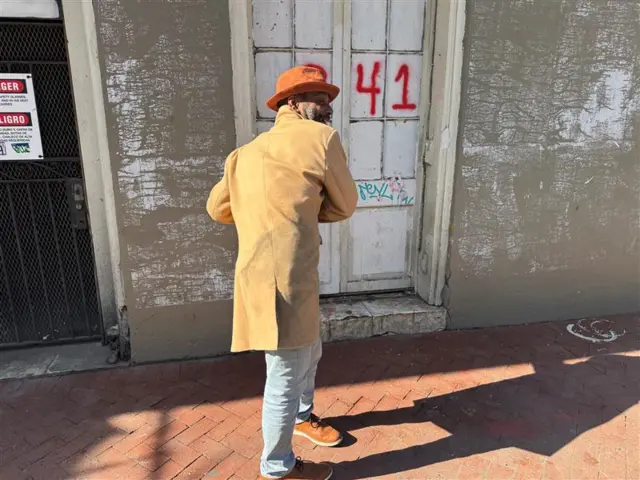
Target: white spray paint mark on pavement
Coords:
[(594, 330)]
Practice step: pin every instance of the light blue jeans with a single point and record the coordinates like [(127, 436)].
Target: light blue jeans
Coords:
[(288, 399)]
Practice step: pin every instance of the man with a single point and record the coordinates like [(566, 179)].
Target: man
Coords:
[(276, 190)]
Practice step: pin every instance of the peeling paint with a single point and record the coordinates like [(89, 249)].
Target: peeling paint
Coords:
[(170, 113), (549, 173)]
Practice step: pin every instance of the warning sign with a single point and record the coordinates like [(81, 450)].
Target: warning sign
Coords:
[(19, 128), (15, 119)]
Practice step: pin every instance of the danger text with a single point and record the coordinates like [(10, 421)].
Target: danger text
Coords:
[(11, 86)]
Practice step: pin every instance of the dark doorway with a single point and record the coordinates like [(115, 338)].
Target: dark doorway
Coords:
[(47, 270)]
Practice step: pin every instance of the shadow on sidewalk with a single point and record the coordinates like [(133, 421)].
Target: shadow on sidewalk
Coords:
[(156, 420), (538, 413)]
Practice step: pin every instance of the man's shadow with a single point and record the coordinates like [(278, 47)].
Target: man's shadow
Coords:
[(540, 413)]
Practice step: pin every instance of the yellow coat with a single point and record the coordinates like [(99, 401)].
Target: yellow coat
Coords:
[(276, 190)]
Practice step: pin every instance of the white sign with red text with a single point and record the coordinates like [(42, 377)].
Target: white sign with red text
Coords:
[(19, 127)]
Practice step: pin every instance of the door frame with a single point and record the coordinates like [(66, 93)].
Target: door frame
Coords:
[(440, 154), (440, 101), (86, 78)]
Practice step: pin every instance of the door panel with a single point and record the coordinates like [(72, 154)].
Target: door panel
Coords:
[(378, 115), (383, 131)]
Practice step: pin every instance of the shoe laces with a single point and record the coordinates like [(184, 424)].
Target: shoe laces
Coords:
[(315, 421)]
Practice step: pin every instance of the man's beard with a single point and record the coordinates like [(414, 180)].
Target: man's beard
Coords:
[(316, 116)]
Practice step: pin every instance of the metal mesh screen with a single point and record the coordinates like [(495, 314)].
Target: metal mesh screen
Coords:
[(47, 279), (32, 42)]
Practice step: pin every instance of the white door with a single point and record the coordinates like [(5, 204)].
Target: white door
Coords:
[(375, 48)]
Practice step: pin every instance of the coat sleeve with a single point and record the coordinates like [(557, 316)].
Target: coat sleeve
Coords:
[(219, 202), (341, 195)]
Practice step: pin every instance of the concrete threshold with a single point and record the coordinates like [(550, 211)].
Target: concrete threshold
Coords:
[(357, 317), (53, 360), (342, 318)]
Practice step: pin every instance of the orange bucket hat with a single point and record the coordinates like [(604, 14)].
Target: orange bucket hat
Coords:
[(302, 79)]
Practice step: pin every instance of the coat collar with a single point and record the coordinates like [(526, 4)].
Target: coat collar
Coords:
[(286, 114)]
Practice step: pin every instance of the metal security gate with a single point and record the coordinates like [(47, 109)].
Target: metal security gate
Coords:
[(47, 270)]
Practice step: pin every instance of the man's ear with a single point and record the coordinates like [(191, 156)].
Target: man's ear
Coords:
[(291, 101)]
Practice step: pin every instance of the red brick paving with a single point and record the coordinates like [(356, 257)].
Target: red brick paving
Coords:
[(518, 403)]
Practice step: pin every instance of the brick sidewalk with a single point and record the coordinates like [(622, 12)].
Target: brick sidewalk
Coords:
[(532, 402)]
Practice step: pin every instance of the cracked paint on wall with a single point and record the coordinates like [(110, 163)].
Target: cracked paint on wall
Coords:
[(547, 199), (166, 67)]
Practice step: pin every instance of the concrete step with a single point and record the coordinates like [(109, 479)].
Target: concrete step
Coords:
[(354, 317)]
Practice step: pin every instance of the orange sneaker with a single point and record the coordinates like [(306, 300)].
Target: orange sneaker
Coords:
[(318, 432), (307, 471)]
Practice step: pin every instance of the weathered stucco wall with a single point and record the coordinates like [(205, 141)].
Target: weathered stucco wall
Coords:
[(166, 67), (547, 198)]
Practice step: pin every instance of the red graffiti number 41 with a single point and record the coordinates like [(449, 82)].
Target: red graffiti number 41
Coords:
[(373, 90)]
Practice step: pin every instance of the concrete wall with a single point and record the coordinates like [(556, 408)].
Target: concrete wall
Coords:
[(547, 199), (167, 73)]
